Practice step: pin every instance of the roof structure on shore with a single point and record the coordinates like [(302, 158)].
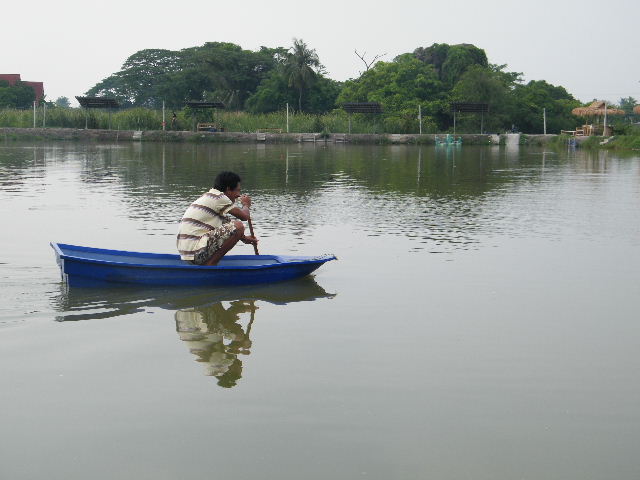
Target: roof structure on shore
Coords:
[(198, 104), (470, 107), (596, 109), (362, 107), (98, 102), (13, 78)]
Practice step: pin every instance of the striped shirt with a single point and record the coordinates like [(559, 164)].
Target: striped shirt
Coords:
[(204, 215)]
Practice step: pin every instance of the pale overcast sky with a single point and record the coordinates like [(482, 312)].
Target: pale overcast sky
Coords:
[(590, 47)]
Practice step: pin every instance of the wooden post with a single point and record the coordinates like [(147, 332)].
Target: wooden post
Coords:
[(34, 114), (44, 115), (287, 117), (420, 117), (544, 120), (349, 124), (164, 123), (604, 128)]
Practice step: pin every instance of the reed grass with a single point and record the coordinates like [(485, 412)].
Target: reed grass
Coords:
[(148, 119)]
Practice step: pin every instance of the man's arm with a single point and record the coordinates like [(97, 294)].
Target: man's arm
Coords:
[(242, 213)]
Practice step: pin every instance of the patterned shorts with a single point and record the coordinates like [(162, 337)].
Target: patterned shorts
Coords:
[(215, 240)]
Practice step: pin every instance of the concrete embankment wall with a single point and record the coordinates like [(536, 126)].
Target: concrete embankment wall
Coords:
[(70, 134)]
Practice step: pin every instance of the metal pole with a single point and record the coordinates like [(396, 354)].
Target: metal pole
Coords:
[(454, 122), (164, 123), (163, 162), (44, 115), (544, 120), (34, 114), (604, 128), (420, 117), (481, 123), (86, 122), (287, 117)]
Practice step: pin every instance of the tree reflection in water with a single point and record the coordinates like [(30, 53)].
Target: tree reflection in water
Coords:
[(216, 337)]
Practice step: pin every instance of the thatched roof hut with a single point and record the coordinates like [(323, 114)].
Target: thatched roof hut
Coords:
[(636, 109), (596, 109)]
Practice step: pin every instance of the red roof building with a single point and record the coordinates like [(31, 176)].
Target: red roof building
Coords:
[(12, 78)]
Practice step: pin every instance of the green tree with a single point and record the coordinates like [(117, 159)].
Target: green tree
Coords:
[(141, 77), (228, 73), (271, 95), (532, 99), (214, 71), (62, 102), (399, 86), (451, 61), (301, 66), (491, 85), (459, 59), (19, 95), (274, 92), (627, 105)]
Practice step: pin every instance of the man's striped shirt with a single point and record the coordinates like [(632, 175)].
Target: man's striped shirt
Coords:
[(203, 216)]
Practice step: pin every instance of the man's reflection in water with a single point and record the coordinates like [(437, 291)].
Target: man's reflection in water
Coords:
[(216, 337)]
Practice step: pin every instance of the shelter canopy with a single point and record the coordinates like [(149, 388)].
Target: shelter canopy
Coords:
[(195, 104), (364, 107), (469, 107), (98, 102), (596, 109)]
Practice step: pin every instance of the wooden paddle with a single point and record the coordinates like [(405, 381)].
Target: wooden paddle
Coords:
[(255, 247)]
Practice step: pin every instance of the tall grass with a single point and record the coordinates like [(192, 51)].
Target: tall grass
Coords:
[(147, 119)]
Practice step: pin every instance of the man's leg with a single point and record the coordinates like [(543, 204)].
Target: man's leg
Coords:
[(227, 245)]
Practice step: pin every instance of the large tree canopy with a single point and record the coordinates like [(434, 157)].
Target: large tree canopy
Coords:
[(218, 71), (213, 71), (438, 75), (537, 96), (451, 61), (267, 79), (399, 86)]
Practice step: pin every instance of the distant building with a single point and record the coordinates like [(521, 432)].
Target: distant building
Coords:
[(12, 78)]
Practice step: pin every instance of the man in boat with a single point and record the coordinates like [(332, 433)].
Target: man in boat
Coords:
[(206, 232)]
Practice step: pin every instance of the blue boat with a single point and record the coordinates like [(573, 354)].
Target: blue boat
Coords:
[(87, 266)]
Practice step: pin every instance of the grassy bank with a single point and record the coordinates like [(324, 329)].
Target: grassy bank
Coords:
[(147, 119), (619, 142), (629, 141)]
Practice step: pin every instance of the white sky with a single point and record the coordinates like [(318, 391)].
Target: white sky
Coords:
[(592, 48)]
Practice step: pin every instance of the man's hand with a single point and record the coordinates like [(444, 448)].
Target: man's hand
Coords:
[(249, 239), (245, 200)]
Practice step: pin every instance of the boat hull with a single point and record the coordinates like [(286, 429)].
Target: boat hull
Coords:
[(86, 266)]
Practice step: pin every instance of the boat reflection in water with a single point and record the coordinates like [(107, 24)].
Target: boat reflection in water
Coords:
[(209, 320)]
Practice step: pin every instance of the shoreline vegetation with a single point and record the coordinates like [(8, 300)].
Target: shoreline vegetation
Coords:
[(58, 123), (439, 89), (256, 87), (38, 134)]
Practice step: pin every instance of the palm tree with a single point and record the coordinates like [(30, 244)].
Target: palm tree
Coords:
[(300, 67)]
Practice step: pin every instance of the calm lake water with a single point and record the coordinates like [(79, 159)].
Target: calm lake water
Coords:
[(481, 322)]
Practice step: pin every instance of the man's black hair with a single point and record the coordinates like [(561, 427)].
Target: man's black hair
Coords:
[(226, 180)]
